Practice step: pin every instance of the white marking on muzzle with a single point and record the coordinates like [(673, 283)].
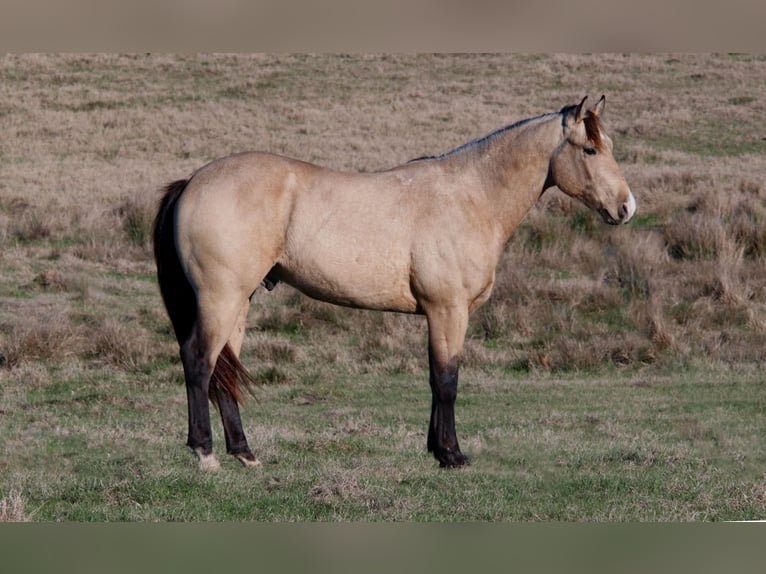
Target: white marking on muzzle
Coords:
[(630, 208)]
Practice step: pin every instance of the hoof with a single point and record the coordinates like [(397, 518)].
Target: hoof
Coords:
[(248, 460), (208, 462), (452, 459)]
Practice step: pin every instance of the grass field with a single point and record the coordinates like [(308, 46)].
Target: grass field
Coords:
[(615, 374)]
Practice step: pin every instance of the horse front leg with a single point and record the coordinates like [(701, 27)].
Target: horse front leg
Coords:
[(446, 333), (442, 436)]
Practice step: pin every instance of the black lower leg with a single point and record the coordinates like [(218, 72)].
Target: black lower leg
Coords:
[(442, 437), (200, 438), (236, 441)]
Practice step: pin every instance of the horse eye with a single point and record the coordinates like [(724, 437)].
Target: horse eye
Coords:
[(589, 150)]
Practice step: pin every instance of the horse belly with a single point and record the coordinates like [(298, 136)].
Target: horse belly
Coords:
[(351, 277)]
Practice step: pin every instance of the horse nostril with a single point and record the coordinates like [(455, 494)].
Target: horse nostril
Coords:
[(623, 211)]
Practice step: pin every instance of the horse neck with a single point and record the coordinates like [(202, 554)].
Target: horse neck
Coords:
[(514, 168)]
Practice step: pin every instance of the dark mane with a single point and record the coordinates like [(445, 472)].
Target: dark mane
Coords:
[(593, 129), (484, 139), (422, 157)]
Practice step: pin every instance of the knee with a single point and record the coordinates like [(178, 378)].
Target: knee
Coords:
[(448, 393), (446, 383)]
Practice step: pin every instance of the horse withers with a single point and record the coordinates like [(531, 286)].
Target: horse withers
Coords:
[(424, 237)]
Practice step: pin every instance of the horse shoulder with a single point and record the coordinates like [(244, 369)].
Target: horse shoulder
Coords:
[(456, 265)]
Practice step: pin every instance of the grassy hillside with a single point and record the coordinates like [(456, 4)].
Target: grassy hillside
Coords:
[(614, 374)]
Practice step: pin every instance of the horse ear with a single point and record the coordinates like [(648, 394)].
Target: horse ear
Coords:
[(598, 109), (578, 114)]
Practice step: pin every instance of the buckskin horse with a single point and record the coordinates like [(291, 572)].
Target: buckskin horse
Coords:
[(424, 237)]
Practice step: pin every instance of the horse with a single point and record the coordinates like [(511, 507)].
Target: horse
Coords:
[(424, 238)]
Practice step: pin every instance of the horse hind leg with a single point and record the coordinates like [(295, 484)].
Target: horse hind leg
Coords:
[(200, 355), (236, 441), (198, 368)]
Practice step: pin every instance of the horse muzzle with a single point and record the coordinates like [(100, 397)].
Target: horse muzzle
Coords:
[(628, 209), (625, 212)]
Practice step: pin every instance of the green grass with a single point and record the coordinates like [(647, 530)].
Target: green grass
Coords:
[(543, 448)]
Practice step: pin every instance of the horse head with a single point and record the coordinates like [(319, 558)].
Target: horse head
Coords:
[(584, 168)]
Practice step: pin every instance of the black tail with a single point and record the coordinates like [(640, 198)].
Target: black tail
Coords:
[(229, 376), (177, 294)]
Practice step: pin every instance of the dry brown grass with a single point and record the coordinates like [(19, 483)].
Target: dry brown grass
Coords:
[(46, 338), (13, 508), (88, 140)]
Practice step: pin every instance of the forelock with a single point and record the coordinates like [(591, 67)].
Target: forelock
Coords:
[(593, 129)]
